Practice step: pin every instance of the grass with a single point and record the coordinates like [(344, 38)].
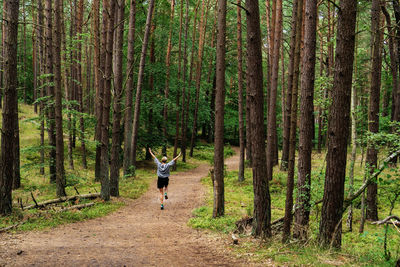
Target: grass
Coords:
[(78, 179), (357, 249)]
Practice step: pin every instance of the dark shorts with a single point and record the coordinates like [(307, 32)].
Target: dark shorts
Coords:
[(162, 182)]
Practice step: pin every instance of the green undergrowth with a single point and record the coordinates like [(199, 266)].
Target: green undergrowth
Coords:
[(205, 152), (364, 249), (35, 219), (78, 179)]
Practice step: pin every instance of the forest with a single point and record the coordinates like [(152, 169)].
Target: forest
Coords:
[(286, 113)]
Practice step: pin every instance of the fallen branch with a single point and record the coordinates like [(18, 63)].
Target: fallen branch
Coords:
[(62, 199), (5, 229), (347, 202), (80, 206), (34, 200), (387, 220)]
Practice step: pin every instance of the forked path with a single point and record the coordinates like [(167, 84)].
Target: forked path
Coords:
[(139, 234)]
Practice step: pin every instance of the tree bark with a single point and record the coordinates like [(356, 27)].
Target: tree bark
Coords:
[(184, 86), (100, 74), (306, 121), (297, 17), (240, 93), (80, 82), (177, 100), (34, 57), (10, 102), (288, 98), (24, 52), (338, 128), (271, 129), (60, 178), (2, 51), (129, 89), (135, 124), (219, 195), (262, 200), (109, 6), (396, 97), (42, 54), (50, 90), (116, 126), (167, 75), (373, 108)]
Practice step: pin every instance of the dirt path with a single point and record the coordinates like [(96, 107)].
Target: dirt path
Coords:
[(139, 234)]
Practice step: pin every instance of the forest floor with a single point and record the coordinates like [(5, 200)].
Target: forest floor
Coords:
[(139, 234)]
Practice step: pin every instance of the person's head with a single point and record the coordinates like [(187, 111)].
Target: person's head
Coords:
[(164, 159)]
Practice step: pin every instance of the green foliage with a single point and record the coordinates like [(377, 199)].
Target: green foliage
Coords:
[(206, 152), (357, 250), (37, 219)]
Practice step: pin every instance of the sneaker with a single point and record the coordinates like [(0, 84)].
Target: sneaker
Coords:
[(162, 206), (166, 197)]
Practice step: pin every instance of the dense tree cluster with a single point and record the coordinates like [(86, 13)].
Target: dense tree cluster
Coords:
[(288, 76)]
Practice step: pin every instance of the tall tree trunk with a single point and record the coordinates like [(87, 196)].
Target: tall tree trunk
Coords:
[(271, 138), (240, 93), (100, 70), (218, 179), (396, 97), (330, 230), (16, 168), (109, 6), (42, 54), (118, 76), (373, 108), (184, 85), (60, 180), (135, 124), (50, 90), (202, 30), (288, 98), (2, 51), (167, 65), (306, 121), (10, 102), (321, 73), (24, 52), (129, 88), (177, 100), (71, 80), (262, 199), (296, 36), (34, 57), (80, 82)]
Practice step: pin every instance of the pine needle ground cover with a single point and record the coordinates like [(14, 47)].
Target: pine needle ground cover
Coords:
[(366, 249)]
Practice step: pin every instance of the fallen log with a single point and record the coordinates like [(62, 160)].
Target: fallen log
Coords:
[(388, 220), (62, 199), (80, 206)]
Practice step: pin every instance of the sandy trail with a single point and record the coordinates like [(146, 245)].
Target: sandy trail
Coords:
[(139, 234)]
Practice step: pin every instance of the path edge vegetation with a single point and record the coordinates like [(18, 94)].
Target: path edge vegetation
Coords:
[(131, 188)]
